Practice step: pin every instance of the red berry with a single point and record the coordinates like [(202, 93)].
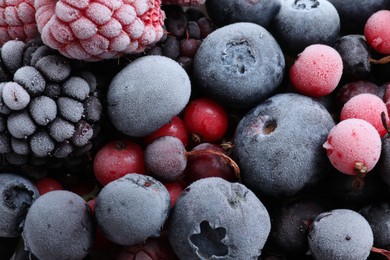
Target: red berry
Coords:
[(175, 127), (48, 184), (116, 159), (368, 107), (351, 89), (317, 70), (206, 119), (174, 189), (353, 146), (377, 31)]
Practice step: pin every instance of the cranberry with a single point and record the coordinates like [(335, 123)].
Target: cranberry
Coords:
[(117, 158), (48, 184), (175, 127)]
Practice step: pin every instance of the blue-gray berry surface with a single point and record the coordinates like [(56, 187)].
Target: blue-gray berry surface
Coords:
[(17, 195), (340, 234), (132, 208), (147, 94), (59, 225), (239, 65), (217, 219), (278, 145)]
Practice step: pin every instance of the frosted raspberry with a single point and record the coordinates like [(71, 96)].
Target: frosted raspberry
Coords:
[(93, 30), (17, 21)]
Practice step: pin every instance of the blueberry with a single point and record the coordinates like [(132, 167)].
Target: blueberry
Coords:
[(300, 23), (17, 195), (217, 219), (239, 65), (147, 94), (59, 225), (131, 209), (378, 216), (355, 55), (340, 234), (224, 12), (278, 145), (353, 17)]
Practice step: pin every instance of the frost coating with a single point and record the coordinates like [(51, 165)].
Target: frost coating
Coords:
[(147, 94), (217, 219)]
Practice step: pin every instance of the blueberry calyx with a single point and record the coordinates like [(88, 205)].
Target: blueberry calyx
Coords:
[(305, 4)]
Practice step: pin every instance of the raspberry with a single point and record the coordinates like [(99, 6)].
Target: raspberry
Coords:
[(95, 30), (17, 21)]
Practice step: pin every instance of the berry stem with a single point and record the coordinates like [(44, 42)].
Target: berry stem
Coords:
[(229, 160), (360, 171), (383, 60), (384, 123), (384, 252)]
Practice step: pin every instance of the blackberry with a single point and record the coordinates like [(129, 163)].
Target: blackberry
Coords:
[(185, 31), (49, 109)]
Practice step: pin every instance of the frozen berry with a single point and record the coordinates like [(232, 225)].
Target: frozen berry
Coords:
[(116, 159), (43, 110), (368, 107), (353, 146), (340, 234), (15, 96), (147, 94), (31, 79), (48, 184), (132, 208), (317, 70), (96, 30), (21, 125), (377, 32)]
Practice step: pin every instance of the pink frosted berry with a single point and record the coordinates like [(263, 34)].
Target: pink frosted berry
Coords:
[(93, 30), (377, 31), (17, 21), (317, 70), (353, 146), (368, 107)]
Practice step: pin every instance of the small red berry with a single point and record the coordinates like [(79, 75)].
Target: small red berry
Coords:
[(116, 159), (174, 189), (175, 128), (206, 119), (377, 31), (48, 184)]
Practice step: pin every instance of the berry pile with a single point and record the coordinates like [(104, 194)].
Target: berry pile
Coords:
[(192, 129)]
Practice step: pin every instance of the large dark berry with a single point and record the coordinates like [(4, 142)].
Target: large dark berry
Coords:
[(278, 144), (239, 65)]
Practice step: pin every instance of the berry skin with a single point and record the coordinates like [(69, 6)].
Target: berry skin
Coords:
[(17, 21), (17, 195), (340, 234), (146, 94), (368, 107), (353, 146), (96, 30), (48, 184), (243, 60), (206, 119), (176, 127), (351, 89), (377, 31), (132, 209), (317, 70), (216, 219), (116, 159), (59, 225)]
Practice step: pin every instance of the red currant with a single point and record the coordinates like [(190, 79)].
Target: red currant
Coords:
[(48, 184), (117, 158), (206, 119)]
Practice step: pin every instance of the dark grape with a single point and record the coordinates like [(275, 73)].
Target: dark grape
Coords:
[(189, 47)]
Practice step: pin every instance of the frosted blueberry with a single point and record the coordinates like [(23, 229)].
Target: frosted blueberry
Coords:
[(147, 94), (340, 234), (20, 124), (43, 110), (131, 209), (31, 79), (15, 96), (17, 195), (59, 225), (217, 219)]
